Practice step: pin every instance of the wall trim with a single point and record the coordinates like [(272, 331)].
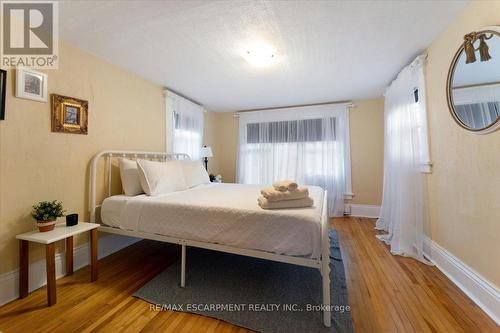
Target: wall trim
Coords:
[(9, 282), (481, 291), (370, 211)]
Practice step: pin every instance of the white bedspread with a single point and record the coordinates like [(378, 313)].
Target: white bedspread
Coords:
[(222, 213)]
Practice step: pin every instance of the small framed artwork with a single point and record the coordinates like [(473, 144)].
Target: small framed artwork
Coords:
[(69, 115), (3, 85), (31, 84)]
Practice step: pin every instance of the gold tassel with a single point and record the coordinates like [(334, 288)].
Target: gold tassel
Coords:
[(483, 49), (469, 48)]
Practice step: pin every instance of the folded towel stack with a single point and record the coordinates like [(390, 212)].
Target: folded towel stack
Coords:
[(285, 194), (285, 185), (271, 194)]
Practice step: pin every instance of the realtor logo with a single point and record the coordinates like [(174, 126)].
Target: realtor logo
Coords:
[(29, 33)]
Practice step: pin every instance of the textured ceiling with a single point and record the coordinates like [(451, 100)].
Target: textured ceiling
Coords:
[(326, 50)]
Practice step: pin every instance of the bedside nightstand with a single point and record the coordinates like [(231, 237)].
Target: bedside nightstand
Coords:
[(60, 232)]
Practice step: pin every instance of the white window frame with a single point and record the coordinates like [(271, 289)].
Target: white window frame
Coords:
[(423, 126), (172, 99), (316, 111)]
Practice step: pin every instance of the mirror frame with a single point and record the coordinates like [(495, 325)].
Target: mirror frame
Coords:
[(449, 96)]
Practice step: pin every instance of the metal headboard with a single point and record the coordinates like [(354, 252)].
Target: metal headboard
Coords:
[(109, 155)]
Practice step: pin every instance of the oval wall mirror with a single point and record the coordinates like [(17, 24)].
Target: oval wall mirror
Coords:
[(473, 87)]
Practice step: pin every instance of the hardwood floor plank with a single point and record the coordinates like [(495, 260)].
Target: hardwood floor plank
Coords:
[(429, 303), (386, 293)]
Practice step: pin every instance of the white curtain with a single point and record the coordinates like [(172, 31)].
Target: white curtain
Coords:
[(404, 203), (307, 144), (184, 125), (478, 115), (476, 94), (477, 106)]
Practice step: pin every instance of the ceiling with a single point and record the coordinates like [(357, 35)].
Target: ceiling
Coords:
[(325, 50)]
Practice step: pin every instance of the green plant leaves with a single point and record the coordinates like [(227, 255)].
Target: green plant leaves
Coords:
[(47, 210)]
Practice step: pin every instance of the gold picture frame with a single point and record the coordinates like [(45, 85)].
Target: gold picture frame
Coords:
[(69, 115)]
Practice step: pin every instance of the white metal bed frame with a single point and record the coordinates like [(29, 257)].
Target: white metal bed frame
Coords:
[(322, 264)]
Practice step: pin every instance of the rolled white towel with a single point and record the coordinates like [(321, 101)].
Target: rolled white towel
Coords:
[(298, 203), (272, 194), (285, 185)]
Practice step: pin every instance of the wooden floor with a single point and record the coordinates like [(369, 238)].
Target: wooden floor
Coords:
[(386, 294)]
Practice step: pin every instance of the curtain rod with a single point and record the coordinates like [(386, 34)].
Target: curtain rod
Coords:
[(349, 104), (424, 56), (167, 91)]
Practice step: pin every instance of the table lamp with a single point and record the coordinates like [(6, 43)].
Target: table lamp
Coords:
[(205, 153)]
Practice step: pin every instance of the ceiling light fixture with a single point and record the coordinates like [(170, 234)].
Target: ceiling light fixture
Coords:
[(261, 55)]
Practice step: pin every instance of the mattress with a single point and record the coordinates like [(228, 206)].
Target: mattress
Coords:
[(225, 214)]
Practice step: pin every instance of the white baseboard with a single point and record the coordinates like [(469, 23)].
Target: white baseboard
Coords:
[(484, 293), (9, 282), (370, 211)]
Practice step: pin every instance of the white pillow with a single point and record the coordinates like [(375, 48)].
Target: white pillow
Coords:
[(130, 177), (161, 177), (195, 173)]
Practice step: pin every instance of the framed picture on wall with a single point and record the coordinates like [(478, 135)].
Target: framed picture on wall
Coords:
[(69, 115), (31, 84), (3, 84)]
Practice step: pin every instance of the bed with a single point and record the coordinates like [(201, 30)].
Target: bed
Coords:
[(221, 217)]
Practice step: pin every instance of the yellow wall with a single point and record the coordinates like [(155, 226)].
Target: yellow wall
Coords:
[(222, 131), (367, 151), (125, 112), (367, 148), (210, 140), (464, 188)]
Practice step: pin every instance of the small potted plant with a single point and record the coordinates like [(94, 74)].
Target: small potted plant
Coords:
[(45, 213)]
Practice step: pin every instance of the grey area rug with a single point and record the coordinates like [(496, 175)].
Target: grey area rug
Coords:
[(260, 295)]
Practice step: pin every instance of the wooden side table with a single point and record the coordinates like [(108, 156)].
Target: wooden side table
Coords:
[(61, 231)]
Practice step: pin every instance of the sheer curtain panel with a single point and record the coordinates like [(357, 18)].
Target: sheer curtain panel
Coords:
[(184, 125), (479, 106), (307, 144), (404, 203)]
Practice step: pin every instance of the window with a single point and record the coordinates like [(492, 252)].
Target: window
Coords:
[(308, 130), (409, 118), (420, 124), (406, 155), (479, 115), (307, 144), (477, 105), (184, 126), (187, 134)]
